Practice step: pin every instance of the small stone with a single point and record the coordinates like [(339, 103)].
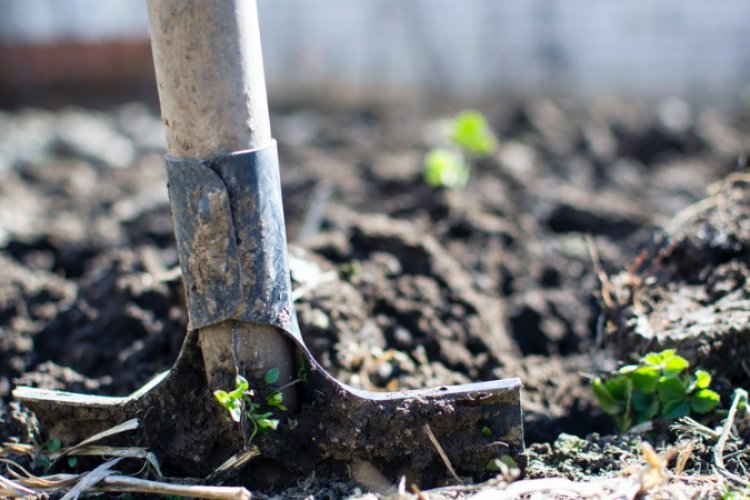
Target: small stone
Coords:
[(319, 319), (402, 337)]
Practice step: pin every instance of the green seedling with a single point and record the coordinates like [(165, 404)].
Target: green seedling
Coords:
[(50, 448), (53, 445), (505, 465), (470, 131), (471, 137), (302, 374), (242, 401), (659, 385), (443, 168)]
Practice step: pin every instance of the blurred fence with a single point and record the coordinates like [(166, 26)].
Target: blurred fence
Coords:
[(582, 48)]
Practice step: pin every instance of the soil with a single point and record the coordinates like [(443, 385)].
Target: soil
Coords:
[(402, 285)]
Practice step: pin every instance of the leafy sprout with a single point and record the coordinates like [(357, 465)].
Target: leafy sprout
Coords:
[(445, 168), (242, 401), (659, 385), (470, 131), (471, 137)]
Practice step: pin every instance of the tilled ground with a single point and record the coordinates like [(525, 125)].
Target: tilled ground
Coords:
[(402, 285)]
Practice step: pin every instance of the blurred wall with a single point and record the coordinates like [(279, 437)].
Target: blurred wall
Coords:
[(581, 48)]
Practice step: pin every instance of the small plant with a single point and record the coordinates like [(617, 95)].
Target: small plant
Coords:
[(659, 385), (469, 134), (470, 131), (443, 168), (241, 399)]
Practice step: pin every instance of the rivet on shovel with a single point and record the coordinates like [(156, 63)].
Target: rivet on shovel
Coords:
[(226, 204)]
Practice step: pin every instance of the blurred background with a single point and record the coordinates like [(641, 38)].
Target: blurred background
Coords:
[(89, 51)]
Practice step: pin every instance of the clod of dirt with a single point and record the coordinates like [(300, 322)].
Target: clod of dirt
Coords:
[(692, 291), (415, 296), (578, 459)]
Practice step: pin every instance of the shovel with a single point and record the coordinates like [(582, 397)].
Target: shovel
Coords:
[(225, 198)]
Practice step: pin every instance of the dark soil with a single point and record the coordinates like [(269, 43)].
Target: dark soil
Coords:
[(405, 285)]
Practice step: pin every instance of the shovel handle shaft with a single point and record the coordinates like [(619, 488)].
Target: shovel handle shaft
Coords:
[(209, 70)]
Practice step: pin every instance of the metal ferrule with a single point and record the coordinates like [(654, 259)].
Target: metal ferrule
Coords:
[(231, 238)]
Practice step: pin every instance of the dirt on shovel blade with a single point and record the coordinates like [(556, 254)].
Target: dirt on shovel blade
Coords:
[(403, 285)]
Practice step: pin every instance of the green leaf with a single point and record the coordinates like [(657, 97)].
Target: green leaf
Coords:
[(241, 384), (702, 379), (493, 465), (72, 462), (230, 403), (470, 132), (235, 411), (223, 398), (44, 462), (657, 358), (671, 389), (675, 365), (446, 169), (620, 388), (267, 424), (486, 431), (608, 403), (704, 401), (302, 372), (54, 445), (645, 378), (272, 376), (653, 358), (624, 422), (675, 409), (646, 406), (509, 461), (276, 400)]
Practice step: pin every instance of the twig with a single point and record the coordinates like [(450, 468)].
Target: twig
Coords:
[(561, 487), (687, 424), (129, 425), (442, 453), (12, 489), (124, 484), (718, 451), (91, 478), (689, 212), (727, 429), (308, 287), (316, 210), (458, 489), (233, 463), (18, 449), (683, 458), (606, 284), (737, 453)]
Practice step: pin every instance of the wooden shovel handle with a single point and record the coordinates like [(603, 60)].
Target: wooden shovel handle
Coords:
[(209, 69)]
